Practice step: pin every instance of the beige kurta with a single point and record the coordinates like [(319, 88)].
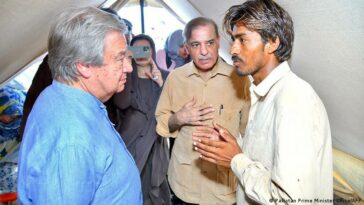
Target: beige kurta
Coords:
[(192, 179), (287, 145)]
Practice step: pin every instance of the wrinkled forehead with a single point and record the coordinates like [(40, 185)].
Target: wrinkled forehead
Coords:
[(203, 33)]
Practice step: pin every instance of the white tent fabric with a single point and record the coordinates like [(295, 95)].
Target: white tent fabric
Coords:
[(328, 53), (24, 29)]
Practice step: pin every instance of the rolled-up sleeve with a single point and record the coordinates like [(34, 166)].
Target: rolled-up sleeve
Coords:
[(255, 178)]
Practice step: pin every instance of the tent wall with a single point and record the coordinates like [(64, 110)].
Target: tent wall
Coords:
[(24, 29)]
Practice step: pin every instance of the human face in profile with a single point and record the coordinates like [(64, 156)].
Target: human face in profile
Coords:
[(183, 52), (111, 76), (248, 51)]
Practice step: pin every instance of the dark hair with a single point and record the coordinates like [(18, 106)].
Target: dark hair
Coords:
[(111, 11), (147, 38), (196, 22), (268, 19), (129, 25), (41, 79)]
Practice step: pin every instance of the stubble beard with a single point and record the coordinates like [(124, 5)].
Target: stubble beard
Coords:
[(242, 73)]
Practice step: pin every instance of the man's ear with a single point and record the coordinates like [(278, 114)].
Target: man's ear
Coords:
[(272, 45), (84, 70)]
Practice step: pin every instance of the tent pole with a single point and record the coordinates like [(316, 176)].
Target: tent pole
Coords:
[(141, 2)]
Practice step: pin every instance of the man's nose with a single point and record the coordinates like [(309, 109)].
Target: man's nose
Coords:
[(235, 48), (203, 50), (127, 67)]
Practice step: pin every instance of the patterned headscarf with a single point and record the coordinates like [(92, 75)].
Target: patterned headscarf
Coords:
[(11, 104), (172, 45)]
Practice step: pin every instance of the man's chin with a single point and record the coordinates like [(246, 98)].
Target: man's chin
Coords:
[(120, 88), (240, 73)]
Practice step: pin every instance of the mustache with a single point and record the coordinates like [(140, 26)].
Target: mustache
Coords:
[(236, 58), (204, 57)]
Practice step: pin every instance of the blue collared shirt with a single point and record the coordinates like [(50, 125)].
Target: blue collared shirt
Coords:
[(71, 153)]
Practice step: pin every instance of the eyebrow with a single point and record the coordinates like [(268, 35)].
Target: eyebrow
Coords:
[(238, 35), (120, 54), (202, 42)]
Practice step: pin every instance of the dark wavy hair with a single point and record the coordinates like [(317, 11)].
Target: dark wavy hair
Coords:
[(268, 19)]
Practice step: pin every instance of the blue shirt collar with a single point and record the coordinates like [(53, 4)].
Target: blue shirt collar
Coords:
[(77, 93)]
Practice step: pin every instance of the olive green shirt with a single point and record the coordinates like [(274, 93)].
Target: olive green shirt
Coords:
[(192, 179)]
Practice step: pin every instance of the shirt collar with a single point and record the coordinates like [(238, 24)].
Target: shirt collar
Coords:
[(81, 95), (263, 87), (217, 69)]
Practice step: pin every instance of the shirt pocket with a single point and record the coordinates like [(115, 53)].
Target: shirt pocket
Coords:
[(230, 119)]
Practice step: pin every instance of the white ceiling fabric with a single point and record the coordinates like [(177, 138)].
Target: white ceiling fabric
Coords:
[(24, 27)]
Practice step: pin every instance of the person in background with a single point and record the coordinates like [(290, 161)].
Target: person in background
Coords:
[(70, 152), (286, 154), (11, 111), (174, 54), (203, 90), (135, 107), (129, 33)]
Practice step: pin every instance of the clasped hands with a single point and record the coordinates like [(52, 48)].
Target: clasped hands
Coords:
[(215, 144)]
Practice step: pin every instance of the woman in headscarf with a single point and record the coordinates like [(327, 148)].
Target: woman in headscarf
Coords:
[(11, 111), (136, 105), (174, 54)]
